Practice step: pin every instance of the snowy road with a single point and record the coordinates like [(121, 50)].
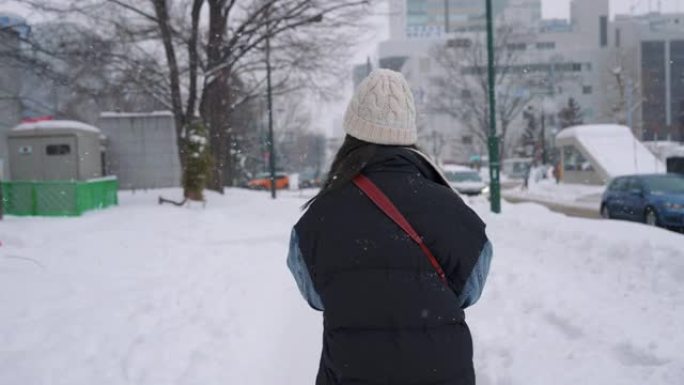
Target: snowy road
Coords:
[(144, 294)]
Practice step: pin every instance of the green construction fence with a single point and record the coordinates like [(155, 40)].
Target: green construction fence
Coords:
[(58, 198)]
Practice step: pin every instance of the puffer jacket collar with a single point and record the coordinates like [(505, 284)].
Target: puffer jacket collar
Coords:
[(405, 159)]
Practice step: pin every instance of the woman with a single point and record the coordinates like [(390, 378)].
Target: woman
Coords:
[(389, 317)]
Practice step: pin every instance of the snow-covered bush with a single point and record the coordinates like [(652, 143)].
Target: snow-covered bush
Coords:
[(197, 162)]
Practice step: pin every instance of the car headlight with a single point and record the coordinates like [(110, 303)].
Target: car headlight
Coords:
[(485, 190), (674, 206)]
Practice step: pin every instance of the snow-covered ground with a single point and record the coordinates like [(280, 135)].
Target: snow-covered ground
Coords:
[(143, 294)]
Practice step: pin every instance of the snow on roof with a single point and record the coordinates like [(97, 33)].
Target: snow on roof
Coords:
[(48, 125), (665, 149), (614, 148), (114, 114)]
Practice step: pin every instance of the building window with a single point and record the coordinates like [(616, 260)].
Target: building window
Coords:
[(587, 90), (546, 45), (618, 37), (467, 139), (517, 47), (604, 31), (588, 113), (459, 43), (58, 149), (653, 88)]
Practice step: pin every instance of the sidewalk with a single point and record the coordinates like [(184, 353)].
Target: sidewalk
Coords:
[(574, 200)]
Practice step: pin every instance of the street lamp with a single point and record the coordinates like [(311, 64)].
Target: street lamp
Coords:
[(494, 166), (269, 101), (271, 147)]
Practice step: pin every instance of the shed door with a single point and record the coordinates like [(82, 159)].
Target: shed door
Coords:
[(60, 158), (26, 159)]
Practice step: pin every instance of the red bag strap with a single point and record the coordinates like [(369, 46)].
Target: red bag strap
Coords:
[(383, 202)]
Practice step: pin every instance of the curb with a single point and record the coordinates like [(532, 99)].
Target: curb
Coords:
[(563, 208)]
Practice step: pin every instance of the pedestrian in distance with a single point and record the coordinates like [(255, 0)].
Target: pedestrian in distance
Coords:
[(389, 252), (526, 179), (557, 172)]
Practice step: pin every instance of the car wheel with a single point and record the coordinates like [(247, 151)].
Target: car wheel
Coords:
[(605, 212), (651, 217)]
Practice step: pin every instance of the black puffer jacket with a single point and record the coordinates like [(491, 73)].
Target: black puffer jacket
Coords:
[(388, 318)]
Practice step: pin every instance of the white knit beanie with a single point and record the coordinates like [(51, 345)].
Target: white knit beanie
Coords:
[(382, 110)]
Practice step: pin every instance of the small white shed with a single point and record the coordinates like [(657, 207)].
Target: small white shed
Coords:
[(55, 150)]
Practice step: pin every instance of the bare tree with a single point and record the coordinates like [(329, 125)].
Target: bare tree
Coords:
[(460, 91), (203, 59), (628, 94)]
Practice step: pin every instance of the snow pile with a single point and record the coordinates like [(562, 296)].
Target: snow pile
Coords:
[(578, 301), (48, 125), (570, 195), (145, 294), (614, 148), (665, 149)]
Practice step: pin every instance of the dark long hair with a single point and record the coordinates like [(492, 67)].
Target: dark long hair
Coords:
[(349, 161)]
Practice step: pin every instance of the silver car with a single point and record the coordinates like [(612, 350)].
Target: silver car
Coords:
[(466, 180)]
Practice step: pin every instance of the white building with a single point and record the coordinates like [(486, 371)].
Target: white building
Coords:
[(571, 56), (141, 149), (651, 51), (612, 69), (435, 18)]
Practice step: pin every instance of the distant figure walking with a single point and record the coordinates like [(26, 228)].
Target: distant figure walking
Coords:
[(389, 252), (526, 178), (557, 172)]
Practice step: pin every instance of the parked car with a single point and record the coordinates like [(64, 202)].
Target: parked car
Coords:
[(465, 180), (657, 200), (262, 181), (311, 179)]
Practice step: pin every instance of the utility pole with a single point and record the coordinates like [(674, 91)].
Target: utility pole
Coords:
[(271, 140), (2, 200), (446, 16), (271, 146), (545, 158), (494, 166), (628, 110)]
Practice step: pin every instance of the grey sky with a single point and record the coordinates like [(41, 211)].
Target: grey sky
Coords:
[(325, 115), (552, 8)]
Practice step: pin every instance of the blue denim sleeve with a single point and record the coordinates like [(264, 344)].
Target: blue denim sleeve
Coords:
[(475, 283), (297, 266)]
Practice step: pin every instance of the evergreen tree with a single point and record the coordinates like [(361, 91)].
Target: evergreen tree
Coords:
[(531, 126), (198, 162), (571, 114)]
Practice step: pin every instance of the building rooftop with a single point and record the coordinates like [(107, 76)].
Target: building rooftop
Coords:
[(113, 114), (55, 125), (613, 147)]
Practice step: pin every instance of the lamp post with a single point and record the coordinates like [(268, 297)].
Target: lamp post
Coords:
[(269, 101), (271, 145), (494, 166)]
